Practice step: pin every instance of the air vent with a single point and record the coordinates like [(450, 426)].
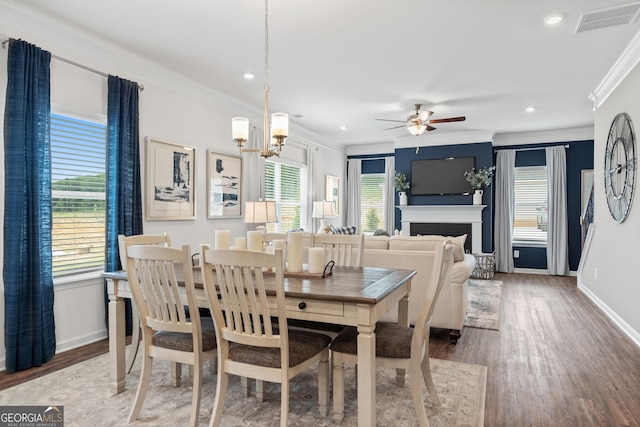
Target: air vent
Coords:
[(609, 17)]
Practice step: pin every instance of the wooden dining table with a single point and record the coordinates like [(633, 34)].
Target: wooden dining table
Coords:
[(354, 296)]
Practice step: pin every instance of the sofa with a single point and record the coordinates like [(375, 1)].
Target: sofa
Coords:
[(416, 253)]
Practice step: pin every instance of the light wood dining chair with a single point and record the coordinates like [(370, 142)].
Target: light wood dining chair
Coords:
[(249, 345), (343, 249), (123, 243), (397, 346), (168, 332)]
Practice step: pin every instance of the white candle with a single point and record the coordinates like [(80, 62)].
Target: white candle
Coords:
[(241, 243), (294, 253), (223, 238), (280, 244), (254, 240), (316, 260)]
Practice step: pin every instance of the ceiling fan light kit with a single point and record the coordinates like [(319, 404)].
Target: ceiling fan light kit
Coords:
[(418, 122)]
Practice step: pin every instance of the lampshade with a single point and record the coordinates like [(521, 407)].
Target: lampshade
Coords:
[(261, 212), (240, 128), (416, 129), (323, 209)]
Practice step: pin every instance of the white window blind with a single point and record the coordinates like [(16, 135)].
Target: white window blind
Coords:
[(372, 202), (78, 153), (531, 215), (287, 185)]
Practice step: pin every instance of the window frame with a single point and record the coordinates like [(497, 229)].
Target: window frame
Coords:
[(302, 203), (519, 240), (61, 123), (364, 211)]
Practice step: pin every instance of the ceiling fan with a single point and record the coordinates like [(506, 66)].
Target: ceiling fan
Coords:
[(418, 122)]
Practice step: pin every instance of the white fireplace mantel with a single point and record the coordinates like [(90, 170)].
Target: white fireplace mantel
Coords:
[(463, 214)]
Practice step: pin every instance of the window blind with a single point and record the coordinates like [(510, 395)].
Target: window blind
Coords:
[(372, 202), (78, 153), (531, 214), (286, 184)]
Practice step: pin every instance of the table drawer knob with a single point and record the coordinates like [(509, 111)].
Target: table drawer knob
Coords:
[(302, 305)]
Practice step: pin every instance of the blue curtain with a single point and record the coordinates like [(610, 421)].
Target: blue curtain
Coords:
[(28, 274), (124, 191)]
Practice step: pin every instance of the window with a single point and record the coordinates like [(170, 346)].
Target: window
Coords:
[(287, 185), (78, 153), (372, 202), (531, 215)]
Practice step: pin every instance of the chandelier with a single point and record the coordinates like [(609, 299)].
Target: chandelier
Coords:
[(274, 133)]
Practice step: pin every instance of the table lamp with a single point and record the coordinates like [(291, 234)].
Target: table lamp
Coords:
[(260, 212), (323, 210)]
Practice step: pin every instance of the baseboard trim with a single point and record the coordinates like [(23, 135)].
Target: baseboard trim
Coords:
[(539, 271), (626, 328), (81, 341)]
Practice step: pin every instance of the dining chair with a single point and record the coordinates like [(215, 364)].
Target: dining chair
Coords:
[(249, 345), (169, 332), (343, 249), (123, 243), (397, 346)]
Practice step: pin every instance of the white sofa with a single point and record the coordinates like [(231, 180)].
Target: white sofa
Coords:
[(416, 253)]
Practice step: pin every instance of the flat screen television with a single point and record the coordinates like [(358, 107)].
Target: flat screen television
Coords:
[(441, 176)]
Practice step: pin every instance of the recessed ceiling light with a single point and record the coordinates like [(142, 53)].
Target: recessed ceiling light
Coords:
[(553, 19), (530, 109), (343, 127), (248, 76)]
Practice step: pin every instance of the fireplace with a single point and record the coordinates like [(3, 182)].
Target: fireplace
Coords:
[(449, 220), (444, 229)]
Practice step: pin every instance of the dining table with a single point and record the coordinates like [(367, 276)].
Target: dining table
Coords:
[(351, 296)]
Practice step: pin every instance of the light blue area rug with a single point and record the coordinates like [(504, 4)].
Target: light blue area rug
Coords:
[(84, 392), (485, 302)]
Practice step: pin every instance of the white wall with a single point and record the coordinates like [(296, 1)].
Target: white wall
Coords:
[(171, 109), (611, 269)]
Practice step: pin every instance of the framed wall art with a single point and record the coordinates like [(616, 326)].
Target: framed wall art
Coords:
[(224, 186), (332, 191), (170, 183)]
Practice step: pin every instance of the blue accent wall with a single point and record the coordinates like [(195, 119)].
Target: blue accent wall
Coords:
[(579, 158), (483, 153)]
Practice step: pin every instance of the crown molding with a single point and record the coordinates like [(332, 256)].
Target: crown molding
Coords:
[(620, 69), (538, 137)]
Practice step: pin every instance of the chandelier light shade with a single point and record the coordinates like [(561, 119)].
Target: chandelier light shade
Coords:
[(240, 130), (323, 210), (275, 132)]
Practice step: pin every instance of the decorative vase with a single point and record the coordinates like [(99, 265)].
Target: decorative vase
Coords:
[(477, 197), (403, 198)]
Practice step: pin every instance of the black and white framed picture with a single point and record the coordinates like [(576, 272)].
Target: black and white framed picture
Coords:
[(224, 185), (170, 186)]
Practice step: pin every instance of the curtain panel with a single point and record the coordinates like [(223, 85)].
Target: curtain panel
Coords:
[(124, 189), (354, 172), (28, 271), (505, 204), (557, 234)]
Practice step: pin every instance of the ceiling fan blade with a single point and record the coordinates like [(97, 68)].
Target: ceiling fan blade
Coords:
[(395, 127), (424, 116), (448, 120), (389, 120), (430, 128)]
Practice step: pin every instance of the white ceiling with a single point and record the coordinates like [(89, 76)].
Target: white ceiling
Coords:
[(348, 62)]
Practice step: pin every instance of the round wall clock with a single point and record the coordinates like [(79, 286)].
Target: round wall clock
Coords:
[(620, 167)]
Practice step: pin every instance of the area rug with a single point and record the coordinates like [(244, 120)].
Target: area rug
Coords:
[(485, 300), (84, 392)]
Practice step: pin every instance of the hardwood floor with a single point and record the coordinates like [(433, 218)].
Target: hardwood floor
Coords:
[(556, 361)]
